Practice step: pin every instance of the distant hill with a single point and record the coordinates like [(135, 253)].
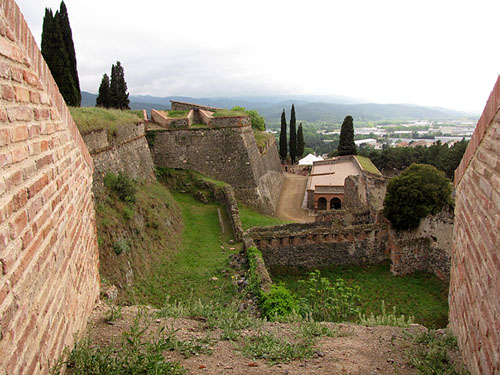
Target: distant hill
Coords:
[(308, 108)]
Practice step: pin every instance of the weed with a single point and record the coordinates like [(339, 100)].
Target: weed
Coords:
[(121, 246), (193, 346), (279, 302), (431, 354), (312, 330), (122, 186), (114, 313), (128, 213), (276, 350), (385, 319)]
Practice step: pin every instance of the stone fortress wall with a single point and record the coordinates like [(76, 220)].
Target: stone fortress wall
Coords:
[(49, 280), (475, 271), (123, 151), (229, 154)]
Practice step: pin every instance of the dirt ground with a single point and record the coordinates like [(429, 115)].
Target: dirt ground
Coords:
[(355, 349), (290, 203)]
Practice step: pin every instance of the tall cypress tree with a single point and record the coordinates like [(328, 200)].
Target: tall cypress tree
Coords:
[(293, 136), (283, 148), (118, 95), (55, 54), (102, 99), (346, 142), (63, 20), (300, 142)]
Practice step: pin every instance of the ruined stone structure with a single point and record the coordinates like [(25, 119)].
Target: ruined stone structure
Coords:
[(124, 151), (49, 280), (229, 154), (475, 272)]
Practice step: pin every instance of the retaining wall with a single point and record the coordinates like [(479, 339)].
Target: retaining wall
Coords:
[(475, 272), (49, 280)]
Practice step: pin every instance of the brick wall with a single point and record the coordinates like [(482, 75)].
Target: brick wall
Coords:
[(48, 249), (475, 272)]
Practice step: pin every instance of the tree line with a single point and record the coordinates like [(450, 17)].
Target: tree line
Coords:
[(113, 93), (295, 146)]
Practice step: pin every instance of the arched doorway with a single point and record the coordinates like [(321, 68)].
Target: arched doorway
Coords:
[(322, 203), (335, 204)]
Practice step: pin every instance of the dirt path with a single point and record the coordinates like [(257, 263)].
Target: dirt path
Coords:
[(290, 202)]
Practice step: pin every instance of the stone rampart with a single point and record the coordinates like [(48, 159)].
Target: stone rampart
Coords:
[(159, 118), (475, 271), (226, 154), (320, 244), (49, 279), (123, 151), (181, 106), (427, 248)]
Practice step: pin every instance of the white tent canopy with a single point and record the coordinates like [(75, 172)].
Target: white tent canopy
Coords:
[(309, 159)]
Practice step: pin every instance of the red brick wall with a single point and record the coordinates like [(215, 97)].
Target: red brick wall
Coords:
[(48, 249), (475, 273)]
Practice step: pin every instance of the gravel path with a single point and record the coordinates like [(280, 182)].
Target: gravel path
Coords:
[(290, 202)]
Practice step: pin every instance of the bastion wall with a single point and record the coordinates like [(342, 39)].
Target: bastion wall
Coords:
[(49, 280), (475, 268)]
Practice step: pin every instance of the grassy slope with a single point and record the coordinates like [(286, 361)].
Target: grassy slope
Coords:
[(367, 165), (261, 138), (420, 294), (89, 119), (200, 257), (251, 218), (229, 113)]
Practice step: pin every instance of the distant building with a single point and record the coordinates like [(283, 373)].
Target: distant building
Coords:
[(325, 185)]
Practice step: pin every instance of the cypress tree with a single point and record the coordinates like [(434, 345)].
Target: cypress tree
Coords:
[(118, 95), (293, 136), (63, 20), (346, 142), (102, 99), (283, 148), (56, 57), (300, 142)]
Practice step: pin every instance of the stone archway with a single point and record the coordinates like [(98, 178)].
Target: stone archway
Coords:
[(322, 203), (335, 204)]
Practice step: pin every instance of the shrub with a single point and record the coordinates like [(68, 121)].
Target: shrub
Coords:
[(327, 301), (121, 185), (279, 302), (121, 246), (419, 191)]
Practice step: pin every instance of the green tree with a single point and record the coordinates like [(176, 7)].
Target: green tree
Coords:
[(346, 142), (283, 146), (300, 142), (55, 55), (63, 20), (293, 136), (103, 97), (418, 191), (118, 95)]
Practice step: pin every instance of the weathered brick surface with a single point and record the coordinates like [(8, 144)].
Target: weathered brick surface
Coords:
[(48, 249), (475, 273)]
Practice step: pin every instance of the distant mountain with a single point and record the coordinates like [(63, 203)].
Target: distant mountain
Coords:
[(308, 108)]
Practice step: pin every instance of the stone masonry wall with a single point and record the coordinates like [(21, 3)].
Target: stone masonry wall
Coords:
[(320, 244), (49, 280), (475, 273), (125, 151), (226, 154)]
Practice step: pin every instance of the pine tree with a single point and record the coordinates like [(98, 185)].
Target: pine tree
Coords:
[(293, 136), (63, 20), (300, 142), (346, 142), (103, 97), (55, 55), (118, 95), (283, 148)]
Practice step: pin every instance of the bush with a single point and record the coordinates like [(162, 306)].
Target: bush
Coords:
[(121, 246), (327, 301), (419, 191), (122, 186), (278, 303)]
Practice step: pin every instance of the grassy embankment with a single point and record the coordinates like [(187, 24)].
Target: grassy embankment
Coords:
[(90, 119), (251, 218), (421, 294), (229, 113), (367, 165)]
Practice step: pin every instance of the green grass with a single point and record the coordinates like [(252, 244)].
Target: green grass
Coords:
[(198, 126), (176, 114), (228, 113), (251, 218), (261, 138), (188, 274), (89, 119), (421, 295), (367, 165)]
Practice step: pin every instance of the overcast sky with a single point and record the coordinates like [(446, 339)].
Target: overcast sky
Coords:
[(430, 52)]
